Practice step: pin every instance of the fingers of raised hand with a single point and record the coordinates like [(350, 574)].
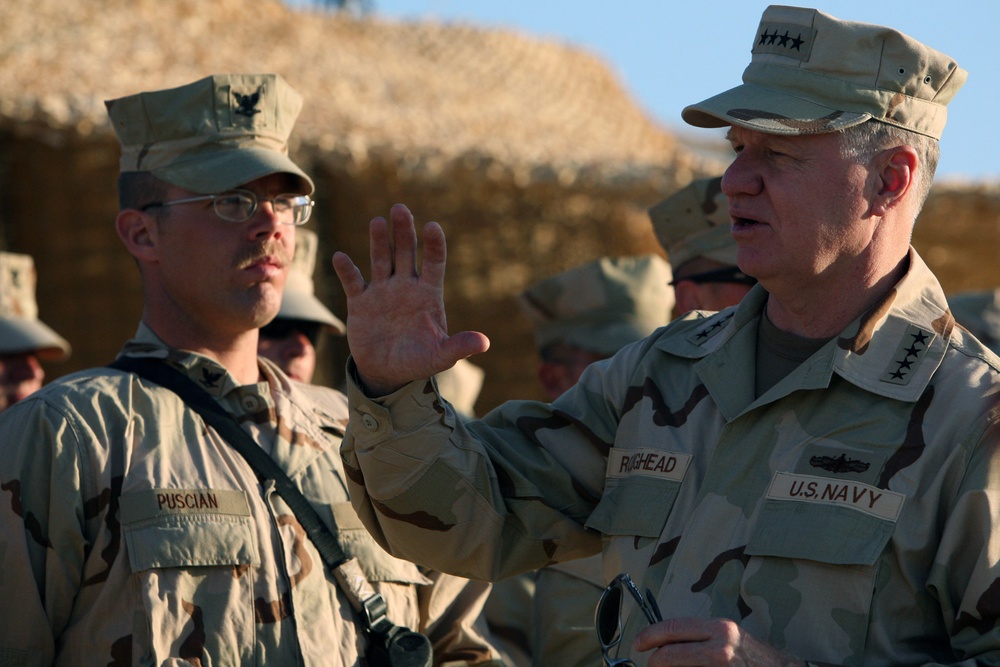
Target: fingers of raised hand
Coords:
[(350, 276), (404, 239)]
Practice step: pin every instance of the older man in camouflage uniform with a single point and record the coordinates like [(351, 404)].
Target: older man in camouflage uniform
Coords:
[(692, 225), (132, 533), (813, 475)]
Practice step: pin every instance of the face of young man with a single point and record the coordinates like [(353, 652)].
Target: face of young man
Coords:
[(799, 209), (224, 276), (291, 347), (20, 376)]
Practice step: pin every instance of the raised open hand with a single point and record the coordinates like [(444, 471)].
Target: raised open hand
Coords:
[(396, 324)]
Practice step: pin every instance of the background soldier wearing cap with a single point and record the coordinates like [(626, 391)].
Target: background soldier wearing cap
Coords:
[(692, 225), (291, 338), (979, 312), (810, 476), (132, 532), (24, 339), (578, 317)]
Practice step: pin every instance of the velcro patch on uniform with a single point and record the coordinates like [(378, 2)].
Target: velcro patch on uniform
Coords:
[(648, 462), (911, 351), (865, 498), (785, 39), (150, 504)]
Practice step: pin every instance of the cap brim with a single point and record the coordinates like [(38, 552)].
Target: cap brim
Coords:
[(225, 170), (18, 336), (304, 306), (764, 110)]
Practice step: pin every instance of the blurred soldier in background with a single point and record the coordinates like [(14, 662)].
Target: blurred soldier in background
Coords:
[(579, 316), (692, 225), (25, 341), (291, 339), (979, 312)]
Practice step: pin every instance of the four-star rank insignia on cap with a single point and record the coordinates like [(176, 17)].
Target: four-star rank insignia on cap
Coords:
[(785, 39), (911, 351)]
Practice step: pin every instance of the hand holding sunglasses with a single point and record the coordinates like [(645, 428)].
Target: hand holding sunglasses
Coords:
[(608, 618)]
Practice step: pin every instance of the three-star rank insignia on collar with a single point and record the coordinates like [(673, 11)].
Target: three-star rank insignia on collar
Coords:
[(712, 326), (911, 351)]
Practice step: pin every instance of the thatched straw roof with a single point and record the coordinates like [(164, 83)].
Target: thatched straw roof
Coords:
[(438, 91)]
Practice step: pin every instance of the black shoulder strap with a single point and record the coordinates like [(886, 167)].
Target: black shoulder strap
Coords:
[(229, 428), (390, 644)]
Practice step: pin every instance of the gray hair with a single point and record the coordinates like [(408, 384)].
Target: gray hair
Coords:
[(861, 142)]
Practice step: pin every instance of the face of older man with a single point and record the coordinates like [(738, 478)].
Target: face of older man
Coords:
[(20, 376), (799, 208)]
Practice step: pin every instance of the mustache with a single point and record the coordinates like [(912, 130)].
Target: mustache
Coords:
[(252, 255)]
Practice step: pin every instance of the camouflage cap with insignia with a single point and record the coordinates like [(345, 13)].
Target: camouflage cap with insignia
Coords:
[(694, 222), (602, 305), (20, 329), (812, 73), (299, 302), (212, 135)]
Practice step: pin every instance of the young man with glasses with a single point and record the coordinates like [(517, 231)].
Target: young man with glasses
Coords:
[(811, 476), (133, 533)]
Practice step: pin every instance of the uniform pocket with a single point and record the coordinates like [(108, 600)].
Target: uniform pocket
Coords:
[(640, 488), (187, 528), (808, 532), (825, 520)]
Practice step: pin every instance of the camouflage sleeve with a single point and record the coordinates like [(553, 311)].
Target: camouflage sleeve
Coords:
[(484, 499), (42, 517), (449, 608), (965, 575)]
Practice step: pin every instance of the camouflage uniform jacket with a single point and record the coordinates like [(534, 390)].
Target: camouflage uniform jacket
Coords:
[(847, 515), (134, 535)]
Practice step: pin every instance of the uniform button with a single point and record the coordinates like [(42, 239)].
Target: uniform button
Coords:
[(370, 422), (251, 403)]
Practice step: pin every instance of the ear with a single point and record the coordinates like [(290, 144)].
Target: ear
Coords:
[(138, 231), (895, 177)]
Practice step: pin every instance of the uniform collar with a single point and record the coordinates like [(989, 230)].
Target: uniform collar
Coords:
[(892, 350)]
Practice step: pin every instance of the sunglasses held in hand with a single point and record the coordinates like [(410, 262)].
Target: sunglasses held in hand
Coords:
[(608, 618)]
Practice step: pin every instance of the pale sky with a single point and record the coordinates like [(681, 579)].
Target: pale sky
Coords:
[(669, 54)]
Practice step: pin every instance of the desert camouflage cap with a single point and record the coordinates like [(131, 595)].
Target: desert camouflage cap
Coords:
[(20, 328), (461, 385), (212, 135), (812, 73), (602, 305), (694, 222), (299, 302)]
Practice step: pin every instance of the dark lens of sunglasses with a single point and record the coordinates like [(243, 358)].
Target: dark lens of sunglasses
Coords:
[(608, 615)]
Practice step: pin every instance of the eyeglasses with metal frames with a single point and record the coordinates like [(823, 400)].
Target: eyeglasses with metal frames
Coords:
[(608, 617), (240, 205)]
